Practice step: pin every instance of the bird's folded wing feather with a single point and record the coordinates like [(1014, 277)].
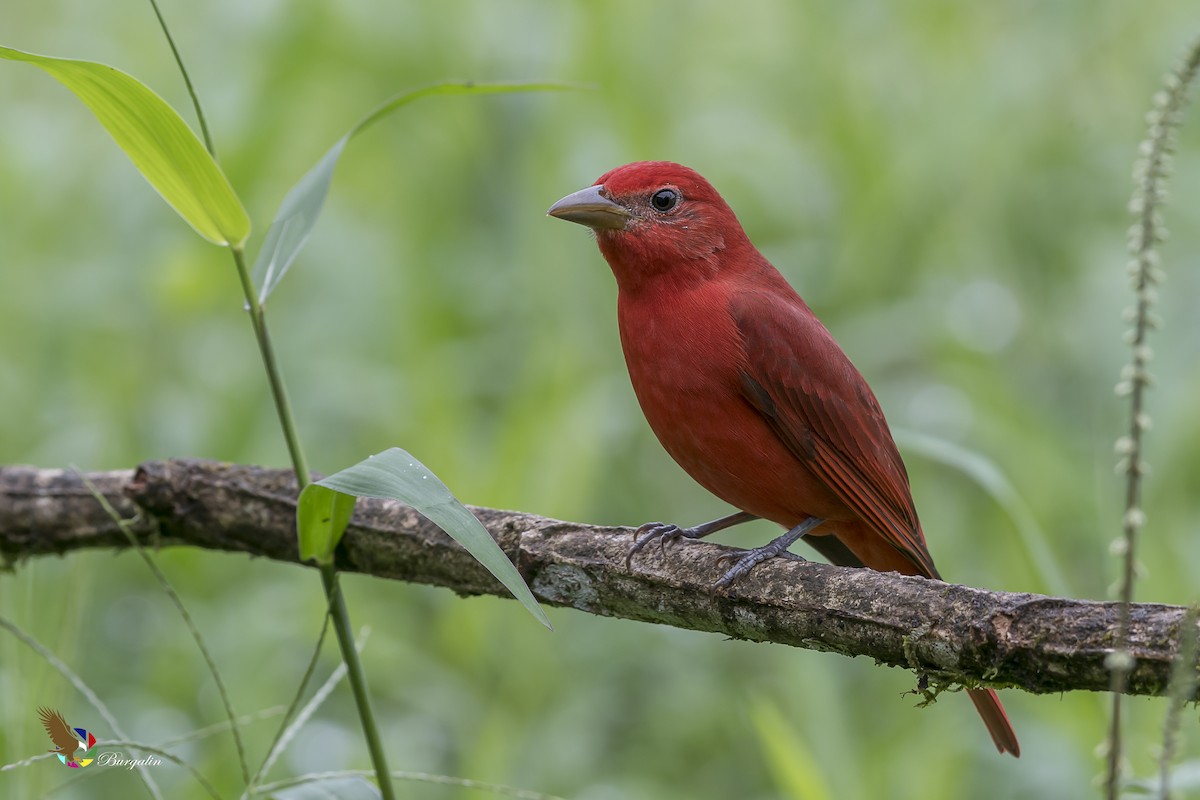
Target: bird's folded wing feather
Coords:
[(798, 378)]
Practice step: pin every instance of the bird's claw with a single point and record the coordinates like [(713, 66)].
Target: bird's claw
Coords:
[(745, 560), (661, 532)]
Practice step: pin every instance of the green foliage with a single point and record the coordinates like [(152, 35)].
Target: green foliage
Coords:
[(167, 153), (321, 518), (797, 773), (394, 474), (157, 141), (298, 213)]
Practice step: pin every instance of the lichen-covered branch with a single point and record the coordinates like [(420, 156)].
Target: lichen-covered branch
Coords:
[(951, 633)]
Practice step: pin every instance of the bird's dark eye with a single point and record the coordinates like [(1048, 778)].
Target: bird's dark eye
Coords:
[(664, 200)]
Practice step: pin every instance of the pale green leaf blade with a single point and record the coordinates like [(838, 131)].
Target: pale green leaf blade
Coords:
[(451, 88), (301, 206), (797, 772), (158, 142), (992, 480), (294, 222), (321, 518), (397, 475)]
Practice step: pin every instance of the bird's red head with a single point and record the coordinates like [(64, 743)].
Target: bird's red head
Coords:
[(654, 219)]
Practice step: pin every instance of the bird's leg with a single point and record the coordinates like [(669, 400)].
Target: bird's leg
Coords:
[(663, 532), (743, 562)]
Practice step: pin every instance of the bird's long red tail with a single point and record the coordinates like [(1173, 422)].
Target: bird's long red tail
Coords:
[(989, 708)]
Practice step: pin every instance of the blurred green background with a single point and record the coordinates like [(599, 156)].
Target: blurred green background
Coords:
[(944, 182)]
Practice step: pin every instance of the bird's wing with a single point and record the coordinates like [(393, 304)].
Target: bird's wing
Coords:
[(60, 732), (815, 400)]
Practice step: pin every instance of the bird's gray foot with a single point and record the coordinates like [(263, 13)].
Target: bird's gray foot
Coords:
[(744, 561), (661, 532), (665, 533)]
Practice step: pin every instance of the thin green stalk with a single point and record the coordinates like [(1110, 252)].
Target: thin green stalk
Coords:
[(297, 717), (1150, 176), (416, 777), (208, 143), (337, 604), (358, 678), (159, 753), (283, 409), (85, 690), (244, 721), (289, 713), (283, 406), (1180, 690), (188, 622)]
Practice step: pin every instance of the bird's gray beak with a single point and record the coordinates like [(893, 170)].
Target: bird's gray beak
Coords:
[(591, 208)]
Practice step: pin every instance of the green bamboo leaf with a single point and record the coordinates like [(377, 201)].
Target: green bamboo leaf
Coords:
[(989, 477), (302, 205), (798, 773), (395, 474), (321, 518), (157, 141)]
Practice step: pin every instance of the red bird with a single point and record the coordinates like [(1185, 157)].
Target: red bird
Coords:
[(746, 389)]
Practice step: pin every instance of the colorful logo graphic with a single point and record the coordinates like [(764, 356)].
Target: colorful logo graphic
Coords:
[(70, 744)]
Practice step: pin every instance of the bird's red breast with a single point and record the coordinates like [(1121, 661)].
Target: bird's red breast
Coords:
[(742, 384)]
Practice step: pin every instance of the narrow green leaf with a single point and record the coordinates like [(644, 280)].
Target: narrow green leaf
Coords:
[(992, 480), (157, 141), (294, 222), (395, 474), (798, 773), (302, 205), (321, 518)]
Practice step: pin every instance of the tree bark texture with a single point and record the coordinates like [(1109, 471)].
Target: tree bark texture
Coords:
[(949, 633)]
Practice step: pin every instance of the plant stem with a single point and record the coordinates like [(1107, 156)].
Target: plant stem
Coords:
[(208, 143), (358, 678), (1150, 177), (337, 605), (283, 409), (283, 406), (218, 682), (1180, 690)]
